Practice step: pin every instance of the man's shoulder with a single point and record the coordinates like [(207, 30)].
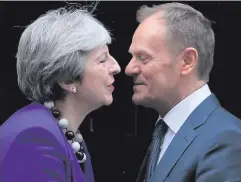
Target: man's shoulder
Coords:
[(220, 125), (211, 114), (224, 119)]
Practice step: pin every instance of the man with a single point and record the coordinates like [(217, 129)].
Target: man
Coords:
[(195, 139)]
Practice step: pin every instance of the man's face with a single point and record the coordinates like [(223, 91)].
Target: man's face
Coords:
[(153, 67)]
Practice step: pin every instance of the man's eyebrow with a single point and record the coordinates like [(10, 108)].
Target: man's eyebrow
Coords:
[(139, 52)]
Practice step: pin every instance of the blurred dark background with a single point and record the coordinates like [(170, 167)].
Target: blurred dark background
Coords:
[(117, 136)]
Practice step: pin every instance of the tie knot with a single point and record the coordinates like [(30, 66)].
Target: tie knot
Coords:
[(160, 128), (162, 124)]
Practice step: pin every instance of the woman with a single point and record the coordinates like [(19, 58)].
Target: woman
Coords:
[(64, 67)]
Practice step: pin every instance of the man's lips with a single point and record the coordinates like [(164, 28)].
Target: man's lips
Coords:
[(138, 84)]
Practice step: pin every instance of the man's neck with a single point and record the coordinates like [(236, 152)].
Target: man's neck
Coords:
[(185, 92)]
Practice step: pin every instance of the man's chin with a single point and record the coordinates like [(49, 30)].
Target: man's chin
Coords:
[(140, 101)]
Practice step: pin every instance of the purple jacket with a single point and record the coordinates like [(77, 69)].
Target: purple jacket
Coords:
[(34, 149)]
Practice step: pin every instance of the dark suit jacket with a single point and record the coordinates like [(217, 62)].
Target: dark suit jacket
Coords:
[(207, 148), (34, 149)]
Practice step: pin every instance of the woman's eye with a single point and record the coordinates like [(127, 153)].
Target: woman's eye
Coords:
[(103, 61)]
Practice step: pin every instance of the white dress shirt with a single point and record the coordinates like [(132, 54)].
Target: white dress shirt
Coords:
[(178, 115)]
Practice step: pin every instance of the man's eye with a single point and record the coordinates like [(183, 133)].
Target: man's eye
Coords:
[(141, 57)]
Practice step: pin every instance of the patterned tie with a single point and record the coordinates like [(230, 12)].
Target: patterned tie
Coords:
[(155, 148)]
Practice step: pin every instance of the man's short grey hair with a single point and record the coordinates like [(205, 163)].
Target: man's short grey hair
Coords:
[(53, 48), (187, 27)]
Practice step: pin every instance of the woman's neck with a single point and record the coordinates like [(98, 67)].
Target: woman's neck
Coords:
[(73, 112)]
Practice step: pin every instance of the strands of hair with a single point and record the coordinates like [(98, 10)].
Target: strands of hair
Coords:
[(89, 7)]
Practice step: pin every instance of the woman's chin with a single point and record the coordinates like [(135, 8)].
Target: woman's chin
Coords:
[(108, 100)]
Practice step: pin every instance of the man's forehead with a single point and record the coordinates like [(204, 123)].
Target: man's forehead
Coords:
[(148, 41), (150, 27), (137, 48), (149, 31), (155, 18)]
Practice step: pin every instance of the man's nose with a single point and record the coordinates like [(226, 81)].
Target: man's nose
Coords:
[(132, 69)]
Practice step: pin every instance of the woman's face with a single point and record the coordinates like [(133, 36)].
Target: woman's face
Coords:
[(96, 87)]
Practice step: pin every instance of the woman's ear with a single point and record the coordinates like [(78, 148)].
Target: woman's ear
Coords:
[(71, 88)]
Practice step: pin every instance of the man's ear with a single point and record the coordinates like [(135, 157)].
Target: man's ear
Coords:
[(189, 60)]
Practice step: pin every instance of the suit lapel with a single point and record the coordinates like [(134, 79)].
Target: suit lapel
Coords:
[(184, 137), (175, 150)]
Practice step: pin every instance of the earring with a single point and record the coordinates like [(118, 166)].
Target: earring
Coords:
[(74, 89)]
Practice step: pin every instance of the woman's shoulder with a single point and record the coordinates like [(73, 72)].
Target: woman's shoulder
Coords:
[(31, 139), (33, 117)]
